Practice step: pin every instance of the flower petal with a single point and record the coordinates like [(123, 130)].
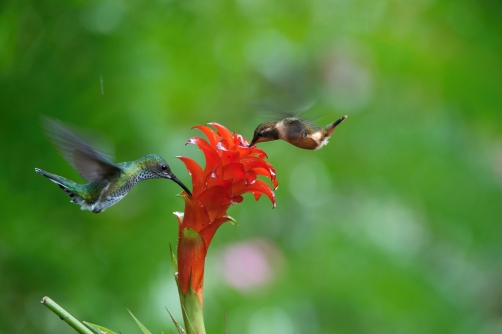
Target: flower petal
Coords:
[(259, 186), (192, 252), (239, 140), (258, 152), (250, 177), (223, 145), (211, 135), (264, 172), (237, 199), (224, 133), (216, 201), (196, 215), (243, 151), (208, 232), (233, 172), (229, 157), (261, 167), (227, 184), (213, 162), (254, 162), (197, 174)]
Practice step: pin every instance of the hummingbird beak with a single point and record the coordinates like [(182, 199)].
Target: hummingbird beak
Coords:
[(254, 141), (175, 179)]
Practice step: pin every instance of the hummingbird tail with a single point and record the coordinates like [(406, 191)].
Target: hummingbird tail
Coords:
[(67, 185), (334, 124), (340, 120)]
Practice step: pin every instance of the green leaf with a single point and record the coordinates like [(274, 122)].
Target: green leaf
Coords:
[(174, 264), (192, 309), (178, 326), (97, 329), (92, 327), (232, 220), (143, 328)]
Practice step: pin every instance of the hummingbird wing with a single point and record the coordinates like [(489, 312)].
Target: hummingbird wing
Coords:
[(91, 164), (272, 108), (295, 127)]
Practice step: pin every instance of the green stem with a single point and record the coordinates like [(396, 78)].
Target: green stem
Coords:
[(192, 313), (67, 317)]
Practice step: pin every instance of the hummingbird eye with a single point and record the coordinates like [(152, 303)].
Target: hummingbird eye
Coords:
[(164, 167), (260, 133)]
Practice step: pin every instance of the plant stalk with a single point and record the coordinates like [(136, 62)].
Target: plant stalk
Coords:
[(65, 316)]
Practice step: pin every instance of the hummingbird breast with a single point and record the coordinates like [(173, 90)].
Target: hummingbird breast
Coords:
[(301, 139), (115, 191), (108, 194), (309, 142)]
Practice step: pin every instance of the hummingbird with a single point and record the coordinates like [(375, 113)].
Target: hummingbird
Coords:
[(296, 131), (108, 182)]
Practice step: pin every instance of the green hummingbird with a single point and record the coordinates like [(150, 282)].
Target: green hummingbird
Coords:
[(108, 182), (296, 131)]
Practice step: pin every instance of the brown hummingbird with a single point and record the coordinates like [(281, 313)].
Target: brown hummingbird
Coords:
[(296, 131)]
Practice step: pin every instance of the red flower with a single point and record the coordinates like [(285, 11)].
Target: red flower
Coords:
[(232, 169)]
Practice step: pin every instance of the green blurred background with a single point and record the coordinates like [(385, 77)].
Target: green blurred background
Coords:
[(394, 227)]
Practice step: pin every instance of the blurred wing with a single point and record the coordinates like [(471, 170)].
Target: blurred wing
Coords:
[(271, 109), (295, 126), (275, 110), (90, 163)]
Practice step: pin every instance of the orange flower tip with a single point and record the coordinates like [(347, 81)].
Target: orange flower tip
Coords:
[(216, 125)]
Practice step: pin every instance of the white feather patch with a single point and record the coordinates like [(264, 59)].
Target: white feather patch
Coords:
[(281, 129), (320, 139)]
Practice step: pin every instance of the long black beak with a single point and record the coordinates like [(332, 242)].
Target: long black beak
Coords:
[(340, 120), (253, 142), (175, 179)]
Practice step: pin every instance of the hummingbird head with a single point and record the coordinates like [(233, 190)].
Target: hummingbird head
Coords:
[(159, 167), (266, 131)]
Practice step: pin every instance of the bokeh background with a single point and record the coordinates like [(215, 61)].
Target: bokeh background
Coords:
[(394, 227)]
